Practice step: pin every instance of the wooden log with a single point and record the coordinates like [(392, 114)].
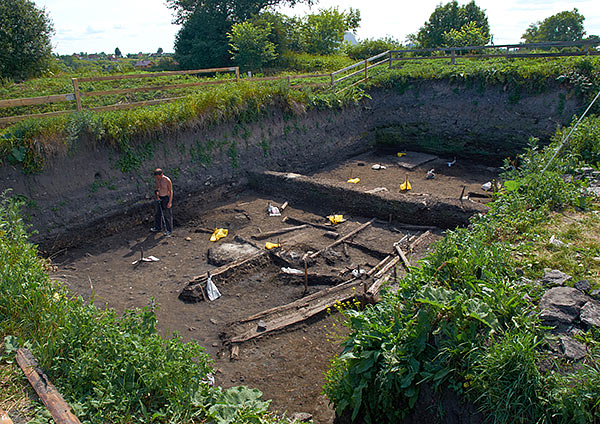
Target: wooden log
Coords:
[(281, 322), (300, 303), (235, 264), (267, 234), (419, 240), (291, 220), (204, 230), (235, 353), (341, 240), (417, 227), (59, 409), (402, 256), (387, 267), (4, 418), (283, 206), (378, 266)]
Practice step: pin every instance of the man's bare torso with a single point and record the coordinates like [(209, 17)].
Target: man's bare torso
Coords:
[(163, 185)]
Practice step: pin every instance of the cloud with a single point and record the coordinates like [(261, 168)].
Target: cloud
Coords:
[(92, 31)]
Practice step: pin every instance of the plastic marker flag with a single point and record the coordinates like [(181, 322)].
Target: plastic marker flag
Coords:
[(400, 154), (354, 180), (405, 186), (269, 245), (336, 219), (219, 234)]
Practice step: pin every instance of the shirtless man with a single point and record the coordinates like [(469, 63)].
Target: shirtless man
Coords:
[(164, 200)]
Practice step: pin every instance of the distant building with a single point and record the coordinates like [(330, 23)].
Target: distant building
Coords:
[(142, 64), (350, 38)]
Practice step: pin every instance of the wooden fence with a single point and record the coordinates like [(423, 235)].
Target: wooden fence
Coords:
[(359, 69)]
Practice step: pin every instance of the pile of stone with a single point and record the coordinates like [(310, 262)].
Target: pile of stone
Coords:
[(569, 311)]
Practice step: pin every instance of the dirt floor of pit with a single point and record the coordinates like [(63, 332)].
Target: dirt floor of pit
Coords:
[(288, 367)]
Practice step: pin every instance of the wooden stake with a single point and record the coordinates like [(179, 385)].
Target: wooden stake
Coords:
[(402, 256), (289, 219), (305, 277), (59, 409), (283, 206)]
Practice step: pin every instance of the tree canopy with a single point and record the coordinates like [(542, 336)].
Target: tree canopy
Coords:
[(563, 26), (202, 40), (448, 17), (25, 48)]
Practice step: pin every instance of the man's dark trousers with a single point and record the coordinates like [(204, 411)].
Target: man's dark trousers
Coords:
[(162, 210)]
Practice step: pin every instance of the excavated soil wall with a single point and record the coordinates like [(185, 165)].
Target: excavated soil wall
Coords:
[(84, 192)]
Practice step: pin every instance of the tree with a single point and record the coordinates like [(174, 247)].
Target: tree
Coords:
[(159, 51), (25, 31), (202, 40), (250, 45), (564, 26), (118, 52), (323, 32), (468, 35), (450, 17)]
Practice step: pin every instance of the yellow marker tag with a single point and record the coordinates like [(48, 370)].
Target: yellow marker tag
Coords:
[(354, 180), (269, 245), (336, 219), (219, 234), (405, 186), (401, 154)]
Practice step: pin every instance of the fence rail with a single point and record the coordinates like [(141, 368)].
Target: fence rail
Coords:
[(336, 78)]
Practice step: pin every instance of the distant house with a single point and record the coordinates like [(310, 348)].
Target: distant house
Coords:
[(143, 64)]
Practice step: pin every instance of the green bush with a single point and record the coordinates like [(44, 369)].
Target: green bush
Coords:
[(461, 321), (371, 47)]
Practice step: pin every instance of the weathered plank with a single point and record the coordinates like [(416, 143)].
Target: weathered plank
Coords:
[(58, 408), (267, 234)]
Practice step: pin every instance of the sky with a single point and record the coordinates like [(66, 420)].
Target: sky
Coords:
[(145, 25)]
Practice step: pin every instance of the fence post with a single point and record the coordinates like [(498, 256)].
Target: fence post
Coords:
[(366, 67), (453, 57), (76, 93), (332, 83), (237, 74), (390, 65)]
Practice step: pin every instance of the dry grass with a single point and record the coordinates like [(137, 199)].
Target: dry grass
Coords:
[(576, 251), (17, 395)]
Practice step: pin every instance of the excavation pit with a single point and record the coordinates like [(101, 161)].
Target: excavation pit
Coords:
[(285, 350)]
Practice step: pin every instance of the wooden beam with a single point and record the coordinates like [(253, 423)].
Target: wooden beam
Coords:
[(267, 234), (402, 256), (387, 267), (27, 101), (152, 88), (59, 409), (341, 240), (134, 104), (13, 119), (419, 240), (302, 222), (300, 303), (157, 74)]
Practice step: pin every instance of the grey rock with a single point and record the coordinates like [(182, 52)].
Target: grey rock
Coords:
[(590, 314), (555, 277), (225, 253), (261, 326), (301, 417), (562, 305), (595, 294), (583, 285), (572, 349)]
